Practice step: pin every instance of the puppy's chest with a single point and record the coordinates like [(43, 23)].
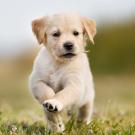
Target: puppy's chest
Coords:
[(55, 79)]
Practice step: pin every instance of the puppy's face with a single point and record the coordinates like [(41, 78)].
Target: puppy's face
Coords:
[(64, 35)]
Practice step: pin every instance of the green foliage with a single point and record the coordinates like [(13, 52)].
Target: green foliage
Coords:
[(114, 49)]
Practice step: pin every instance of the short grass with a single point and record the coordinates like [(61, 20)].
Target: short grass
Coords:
[(114, 108), (107, 122)]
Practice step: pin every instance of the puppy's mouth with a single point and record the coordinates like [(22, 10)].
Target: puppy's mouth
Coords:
[(68, 55)]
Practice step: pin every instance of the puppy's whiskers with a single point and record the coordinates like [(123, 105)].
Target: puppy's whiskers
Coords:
[(84, 51)]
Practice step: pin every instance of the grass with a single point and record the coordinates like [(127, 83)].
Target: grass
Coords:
[(114, 108), (108, 122)]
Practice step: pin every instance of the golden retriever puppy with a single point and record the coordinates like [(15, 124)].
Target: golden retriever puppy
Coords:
[(61, 76)]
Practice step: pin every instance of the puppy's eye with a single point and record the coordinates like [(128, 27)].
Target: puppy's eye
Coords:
[(76, 33), (56, 34)]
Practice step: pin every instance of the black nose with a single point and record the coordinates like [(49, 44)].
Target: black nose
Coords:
[(68, 46)]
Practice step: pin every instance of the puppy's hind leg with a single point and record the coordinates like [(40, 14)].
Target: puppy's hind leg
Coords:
[(85, 112)]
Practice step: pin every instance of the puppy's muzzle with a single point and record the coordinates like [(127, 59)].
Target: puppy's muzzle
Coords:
[(69, 48)]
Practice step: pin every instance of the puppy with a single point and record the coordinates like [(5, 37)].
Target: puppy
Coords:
[(61, 76)]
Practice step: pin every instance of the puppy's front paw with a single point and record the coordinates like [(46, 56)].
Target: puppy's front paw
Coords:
[(52, 105)]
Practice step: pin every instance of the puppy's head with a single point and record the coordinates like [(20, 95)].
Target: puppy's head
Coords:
[(64, 35)]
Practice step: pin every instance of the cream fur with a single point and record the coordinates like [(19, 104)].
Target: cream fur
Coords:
[(62, 82)]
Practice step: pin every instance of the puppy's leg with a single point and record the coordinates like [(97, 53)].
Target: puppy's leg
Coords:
[(54, 121), (66, 97), (42, 92), (85, 112)]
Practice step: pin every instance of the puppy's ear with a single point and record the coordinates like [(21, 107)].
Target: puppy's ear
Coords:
[(38, 28), (89, 28)]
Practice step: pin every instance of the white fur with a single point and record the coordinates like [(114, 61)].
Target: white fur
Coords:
[(75, 76), (62, 84)]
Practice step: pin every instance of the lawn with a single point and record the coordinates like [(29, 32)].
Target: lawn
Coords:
[(114, 112), (111, 122)]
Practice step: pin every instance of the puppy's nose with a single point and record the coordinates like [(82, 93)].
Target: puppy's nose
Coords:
[(68, 46)]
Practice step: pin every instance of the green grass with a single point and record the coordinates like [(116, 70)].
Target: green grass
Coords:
[(114, 108), (111, 121)]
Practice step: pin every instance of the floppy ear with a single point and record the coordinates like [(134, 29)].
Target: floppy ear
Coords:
[(38, 28), (89, 28)]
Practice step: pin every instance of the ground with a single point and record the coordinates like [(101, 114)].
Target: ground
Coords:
[(114, 112)]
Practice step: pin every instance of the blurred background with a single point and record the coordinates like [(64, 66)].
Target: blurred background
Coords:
[(112, 57)]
